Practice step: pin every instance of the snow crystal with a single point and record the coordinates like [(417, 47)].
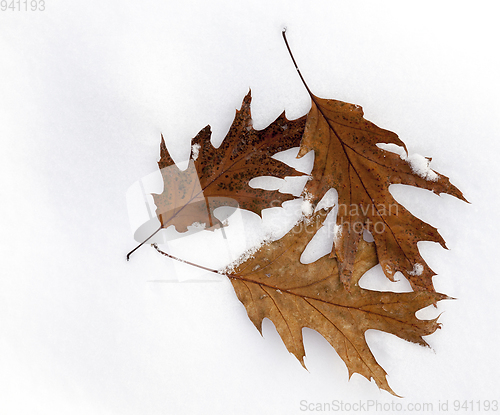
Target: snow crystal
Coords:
[(195, 151), (307, 208), (420, 165), (249, 253), (198, 225), (417, 270)]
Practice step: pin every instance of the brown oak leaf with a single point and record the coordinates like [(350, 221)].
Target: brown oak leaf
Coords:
[(220, 176), (275, 284), (348, 159)]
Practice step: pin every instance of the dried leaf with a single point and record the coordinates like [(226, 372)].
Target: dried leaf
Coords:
[(324, 295), (220, 176), (348, 159), (275, 284)]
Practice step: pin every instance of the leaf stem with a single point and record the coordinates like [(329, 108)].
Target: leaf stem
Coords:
[(295, 63), (182, 260), (143, 242)]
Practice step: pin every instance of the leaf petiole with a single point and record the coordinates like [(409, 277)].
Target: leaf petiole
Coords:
[(155, 246), (295, 63), (143, 242)]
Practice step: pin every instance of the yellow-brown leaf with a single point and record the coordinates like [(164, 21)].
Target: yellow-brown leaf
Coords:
[(275, 284), (348, 159)]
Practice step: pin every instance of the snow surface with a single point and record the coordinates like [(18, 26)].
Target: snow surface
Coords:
[(87, 89)]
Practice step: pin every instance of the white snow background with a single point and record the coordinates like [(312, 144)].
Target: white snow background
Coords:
[(86, 89)]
